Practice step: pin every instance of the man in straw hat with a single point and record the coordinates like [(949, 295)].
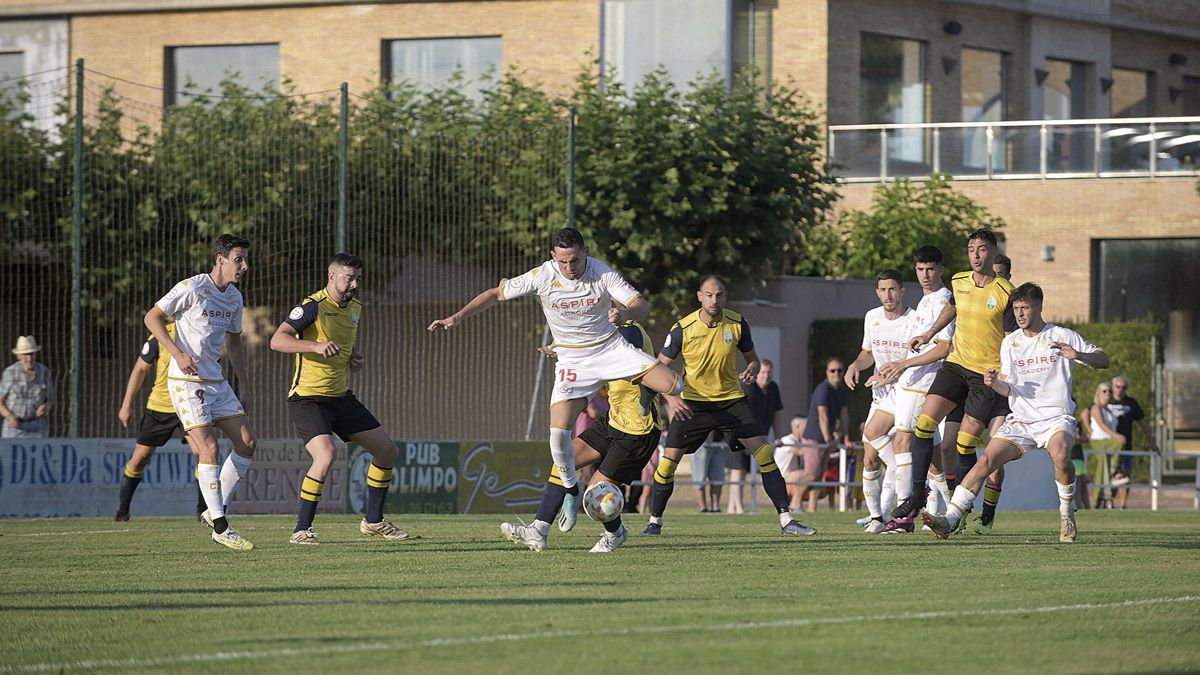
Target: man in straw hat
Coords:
[(26, 393)]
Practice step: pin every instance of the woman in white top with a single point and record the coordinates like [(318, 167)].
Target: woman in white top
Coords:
[(1102, 423)]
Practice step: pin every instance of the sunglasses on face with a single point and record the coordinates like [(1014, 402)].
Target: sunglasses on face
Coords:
[(834, 370)]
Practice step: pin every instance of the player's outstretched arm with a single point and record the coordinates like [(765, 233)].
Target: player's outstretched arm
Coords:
[(137, 377), (637, 310), (484, 301), (287, 341), (892, 370), (156, 322), (1097, 359)]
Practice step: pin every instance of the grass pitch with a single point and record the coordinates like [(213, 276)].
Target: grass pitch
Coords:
[(715, 593)]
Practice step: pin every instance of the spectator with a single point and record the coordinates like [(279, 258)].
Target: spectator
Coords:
[(1100, 425), (765, 403), (828, 419), (708, 470), (26, 393), (1127, 410), (795, 459)]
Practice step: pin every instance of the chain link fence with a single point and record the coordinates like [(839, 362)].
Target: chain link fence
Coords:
[(431, 208)]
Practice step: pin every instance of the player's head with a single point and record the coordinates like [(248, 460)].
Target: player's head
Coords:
[(345, 274), (1026, 302), (889, 289), (834, 368), (982, 250), (569, 252), (1103, 393), (1002, 265), (230, 259), (712, 294), (798, 423), (929, 264)]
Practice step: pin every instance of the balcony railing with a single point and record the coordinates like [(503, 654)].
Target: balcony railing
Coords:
[(1095, 148)]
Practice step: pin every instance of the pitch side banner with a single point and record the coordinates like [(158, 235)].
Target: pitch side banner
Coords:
[(72, 477), (272, 484)]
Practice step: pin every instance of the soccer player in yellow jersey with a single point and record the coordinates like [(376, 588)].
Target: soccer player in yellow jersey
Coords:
[(621, 442), (159, 421), (980, 309), (709, 341), (321, 332)]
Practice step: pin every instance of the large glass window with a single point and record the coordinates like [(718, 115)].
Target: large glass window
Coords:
[(12, 69), (1064, 98), (193, 71), (434, 62), (687, 37), (984, 99), (1130, 93), (1151, 279), (751, 41), (892, 91)]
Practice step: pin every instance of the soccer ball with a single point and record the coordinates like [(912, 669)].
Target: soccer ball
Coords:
[(603, 502)]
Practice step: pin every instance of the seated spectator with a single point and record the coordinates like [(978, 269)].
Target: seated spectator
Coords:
[(795, 458)]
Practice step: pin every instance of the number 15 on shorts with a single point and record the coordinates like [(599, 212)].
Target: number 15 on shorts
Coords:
[(566, 375)]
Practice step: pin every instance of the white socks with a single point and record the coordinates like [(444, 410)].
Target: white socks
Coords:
[(785, 518), (903, 475), (938, 482), (960, 503), (232, 471), (209, 478), (562, 453), (887, 496), (1066, 498), (871, 490)]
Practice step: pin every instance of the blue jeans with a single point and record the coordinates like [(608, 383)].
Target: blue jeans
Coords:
[(34, 428)]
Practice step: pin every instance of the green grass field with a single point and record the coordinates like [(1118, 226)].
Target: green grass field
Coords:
[(716, 593)]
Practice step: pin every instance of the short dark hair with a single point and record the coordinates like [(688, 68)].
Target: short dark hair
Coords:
[(1027, 292), (894, 275), (226, 243), (568, 237), (928, 254), (1002, 259), (345, 259), (711, 277), (983, 234)]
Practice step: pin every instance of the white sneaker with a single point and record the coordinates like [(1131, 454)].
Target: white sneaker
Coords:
[(305, 537), (1066, 529), (569, 512), (383, 528), (610, 541), (207, 519), (865, 521), (230, 539), (525, 535), (875, 526)]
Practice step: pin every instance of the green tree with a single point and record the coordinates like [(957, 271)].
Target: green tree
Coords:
[(904, 216)]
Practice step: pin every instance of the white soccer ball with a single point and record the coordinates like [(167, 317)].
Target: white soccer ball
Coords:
[(603, 502)]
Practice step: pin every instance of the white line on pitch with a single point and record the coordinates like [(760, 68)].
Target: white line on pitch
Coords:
[(551, 635), (60, 534)]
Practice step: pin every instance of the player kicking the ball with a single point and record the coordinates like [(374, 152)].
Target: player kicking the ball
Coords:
[(1036, 363), (577, 293), (208, 313), (620, 442)]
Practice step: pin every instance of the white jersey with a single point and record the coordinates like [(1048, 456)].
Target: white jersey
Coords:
[(920, 378), (887, 340), (576, 310), (203, 315), (1038, 374)]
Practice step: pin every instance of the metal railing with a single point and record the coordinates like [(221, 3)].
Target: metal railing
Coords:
[(1088, 148), (1156, 474)]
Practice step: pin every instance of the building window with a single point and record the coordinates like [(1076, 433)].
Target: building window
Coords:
[(688, 38), (1130, 93), (434, 62), (12, 69), (892, 91), (984, 99), (1064, 98), (1151, 279), (1191, 96), (193, 72)]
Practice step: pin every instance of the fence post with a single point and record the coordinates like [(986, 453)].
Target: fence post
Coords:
[(571, 166), (77, 259), (343, 157), (842, 478)]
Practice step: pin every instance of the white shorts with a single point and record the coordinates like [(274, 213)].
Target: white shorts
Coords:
[(1030, 435), (581, 371), (200, 403), (883, 398), (909, 404)]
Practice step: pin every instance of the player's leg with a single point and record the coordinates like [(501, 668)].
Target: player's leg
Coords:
[(237, 463), (662, 380), (1059, 448), (356, 424), (322, 451), (913, 467), (995, 482), (203, 440), (774, 485), (683, 436), (621, 463), (876, 438), (1000, 450), (135, 468)]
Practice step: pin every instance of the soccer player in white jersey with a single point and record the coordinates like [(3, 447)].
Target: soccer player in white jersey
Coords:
[(1036, 364), (914, 374), (208, 313), (885, 339), (577, 294)]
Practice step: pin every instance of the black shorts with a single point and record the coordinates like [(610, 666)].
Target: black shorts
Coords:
[(622, 455), (737, 458), (321, 415), (956, 415), (733, 416), (156, 428), (966, 388)]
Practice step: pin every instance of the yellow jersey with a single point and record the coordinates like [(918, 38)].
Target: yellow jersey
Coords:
[(709, 355), (632, 407), (320, 319), (983, 319), (152, 353)]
